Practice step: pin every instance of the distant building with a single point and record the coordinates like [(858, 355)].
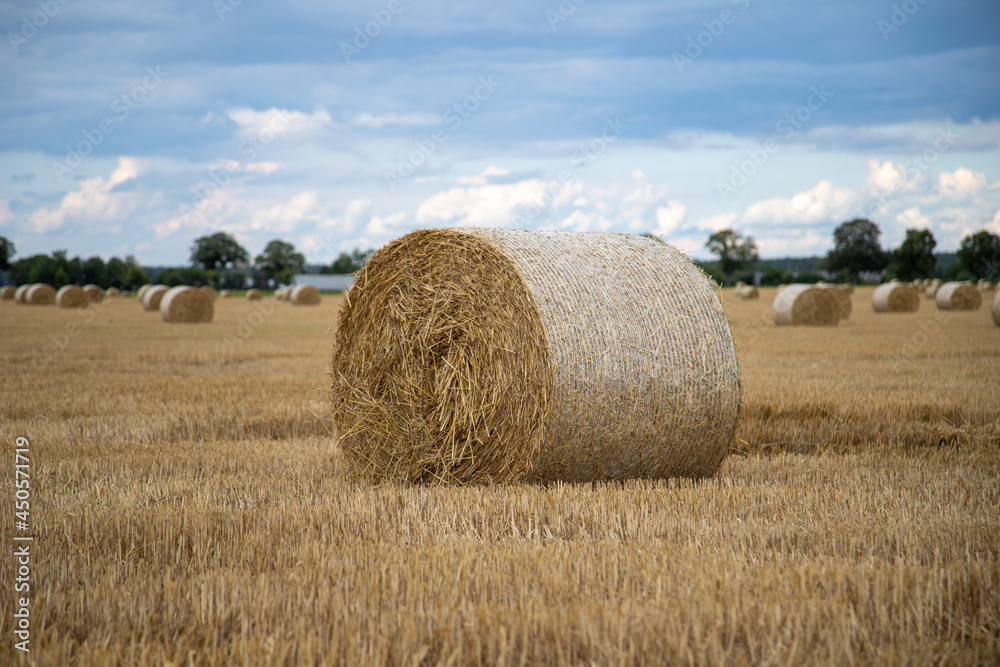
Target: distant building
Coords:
[(324, 282)]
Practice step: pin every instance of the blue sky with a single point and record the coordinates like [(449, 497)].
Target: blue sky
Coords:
[(133, 128)]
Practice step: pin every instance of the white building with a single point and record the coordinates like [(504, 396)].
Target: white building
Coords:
[(324, 282)]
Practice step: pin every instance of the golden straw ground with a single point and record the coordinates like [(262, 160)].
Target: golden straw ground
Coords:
[(490, 355)]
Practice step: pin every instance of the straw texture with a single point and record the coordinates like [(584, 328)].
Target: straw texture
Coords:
[(805, 305), (959, 296), (21, 293), (254, 295), (996, 309), (142, 292), (71, 296), (490, 356), (187, 304), (151, 299), (896, 298), (7, 293), (94, 293), (304, 295), (40, 294), (210, 291)]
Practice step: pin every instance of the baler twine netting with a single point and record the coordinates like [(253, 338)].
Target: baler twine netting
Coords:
[(488, 356)]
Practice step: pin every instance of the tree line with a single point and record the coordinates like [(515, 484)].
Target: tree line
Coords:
[(857, 255), (217, 260)]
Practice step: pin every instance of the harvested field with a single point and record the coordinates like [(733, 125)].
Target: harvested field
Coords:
[(190, 504)]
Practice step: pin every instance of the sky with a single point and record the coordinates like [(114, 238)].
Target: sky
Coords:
[(134, 128)]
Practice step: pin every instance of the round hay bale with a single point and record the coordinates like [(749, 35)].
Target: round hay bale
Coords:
[(186, 304), (279, 294), (7, 293), (847, 287), (748, 292), (126, 293), (209, 290), (305, 295), (490, 356), (895, 298), (20, 293), (807, 305), (225, 294), (151, 299), (986, 286), (958, 296), (254, 295), (932, 288), (71, 296), (739, 285), (843, 299), (112, 292), (142, 292), (94, 293), (996, 309), (40, 294)]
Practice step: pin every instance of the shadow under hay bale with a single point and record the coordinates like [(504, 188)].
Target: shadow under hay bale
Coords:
[(895, 298), (151, 299), (40, 294), (805, 305), (304, 295), (958, 296), (490, 356), (71, 296), (187, 304)]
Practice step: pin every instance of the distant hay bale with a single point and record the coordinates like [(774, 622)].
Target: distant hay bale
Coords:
[(94, 293), (7, 293), (254, 295), (142, 292), (739, 285), (996, 309), (209, 290), (932, 288), (126, 293), (843, 300), (279, 294), (112, 292), (151, 299), (491, 356), (21, 293), (847, 287), (71, 296), (225, 294), (305, 295), (958, 296), (748, 292), (41, 294), (186, 304), (985, 286), (895, 298), (807, 305)]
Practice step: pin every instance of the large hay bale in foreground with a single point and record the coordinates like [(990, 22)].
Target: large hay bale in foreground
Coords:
[(254, 295), (996, 309), (304, 295), (7, 293), (958, 296), (151, 299), (895, 298), (187, 304), (94, 293), (808, 305), (71, 296), (40, 294), (21, 293), (489, 355), (843, 299)]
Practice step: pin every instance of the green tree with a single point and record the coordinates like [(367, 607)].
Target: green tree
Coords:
[(7, 250), (218, 251), (856, 248), (280, 262), (116, 273), (349, 263), (914, 258), (135, 276), (94, 272), (735, 252), (979, 254)]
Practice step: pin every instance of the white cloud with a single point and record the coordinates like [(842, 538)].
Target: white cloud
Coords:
[(278, 121), (484, 177), (825, 202), (891, 176), (669, 217), (492, 205), (263, 167), (95, 201), (961, 182), (378, 121), (717, 223), (912, 218)]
